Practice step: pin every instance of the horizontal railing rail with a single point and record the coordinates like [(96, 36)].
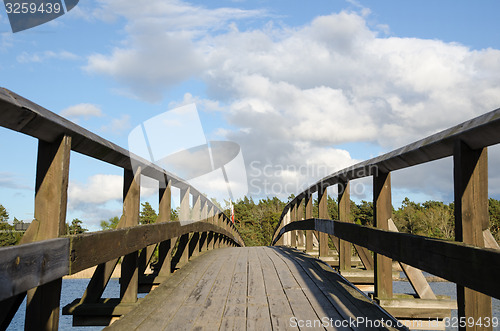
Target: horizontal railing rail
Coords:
[(26, 266), (45, 254), (443, 258)]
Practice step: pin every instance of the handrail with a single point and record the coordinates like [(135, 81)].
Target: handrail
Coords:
[(25, 266), (443, 258), (22, 115), (38, 264), (464, 262), (480, 132)]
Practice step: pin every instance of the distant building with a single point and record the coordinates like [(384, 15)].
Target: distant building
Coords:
[(21, 226)]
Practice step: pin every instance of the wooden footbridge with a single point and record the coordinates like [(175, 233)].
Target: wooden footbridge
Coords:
[(206, 279)]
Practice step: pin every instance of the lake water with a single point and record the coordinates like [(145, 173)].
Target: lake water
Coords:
[(74, 288)]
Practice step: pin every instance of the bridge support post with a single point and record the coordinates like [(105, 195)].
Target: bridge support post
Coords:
[(51, 191), (323, 213), (183, 217), (382, 204), (344, 216), (196, 216), (165, 247), (129, 280), (204, 235), (299, 217), (471, 219), (308, 210), (293, 234)]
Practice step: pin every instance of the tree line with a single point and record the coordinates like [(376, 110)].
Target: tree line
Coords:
[(256, 221)]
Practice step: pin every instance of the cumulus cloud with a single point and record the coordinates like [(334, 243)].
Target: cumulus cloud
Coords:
[(117, 125), (291, 94), (39, 57), (82, 110)]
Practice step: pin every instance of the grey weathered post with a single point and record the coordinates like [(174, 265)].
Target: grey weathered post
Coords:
[(382, 204), (471, 219), (344, 216), (51, 192), (129, 280), (323, 213)]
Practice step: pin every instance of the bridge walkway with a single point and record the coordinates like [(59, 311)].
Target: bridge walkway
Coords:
[(254, 288)]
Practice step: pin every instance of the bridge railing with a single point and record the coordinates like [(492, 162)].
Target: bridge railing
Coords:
[(472, 261), (35, 267)]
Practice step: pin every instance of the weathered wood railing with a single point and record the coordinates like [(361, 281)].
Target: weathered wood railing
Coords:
[(35, 267), (472, 261)]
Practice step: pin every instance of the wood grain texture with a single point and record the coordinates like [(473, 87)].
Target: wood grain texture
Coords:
[(436, 256)]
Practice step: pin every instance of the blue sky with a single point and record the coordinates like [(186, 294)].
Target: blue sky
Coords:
[(305, 88)]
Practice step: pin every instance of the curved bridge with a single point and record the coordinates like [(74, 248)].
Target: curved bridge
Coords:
[(206, 279)]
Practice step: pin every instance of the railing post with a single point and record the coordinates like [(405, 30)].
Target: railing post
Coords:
[(293, 234), (51, 192), (344, 216), (196, 215), (323, 213), (165, 247), (211, 235), (129, 280), (471, 218), (299, 217), (204, 217), (309, 214), (183, 217), (382, 204)]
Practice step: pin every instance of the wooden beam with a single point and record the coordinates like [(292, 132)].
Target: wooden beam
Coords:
[(471, 219), (51, 194), (323, 213), (382, 205), (184, 212), (129, 280), (415, 276), (293, 234), (439, 257), (91, 249), (23, 267), (344, 216), (308, 210)]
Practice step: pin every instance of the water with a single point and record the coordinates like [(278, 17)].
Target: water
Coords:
[(71, 290), (74, 288), (444, 288)]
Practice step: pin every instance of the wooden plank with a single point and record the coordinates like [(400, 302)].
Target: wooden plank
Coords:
[(382, 212), (24, 267), (293, 218), (299, 303), (343, 296), (51, 194), (442, 258), (365, 256), (471, 219), (258, 317), (489, 240), (175, 286), (323, 213), (312, 289), (213, 309), (187, 312), (279, 307), (235, 312)]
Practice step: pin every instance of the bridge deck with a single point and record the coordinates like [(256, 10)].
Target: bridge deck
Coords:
[(254, 288)]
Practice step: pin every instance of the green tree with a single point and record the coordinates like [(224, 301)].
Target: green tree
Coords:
[(76, 227), (4, 215), (148, 214), (110, 224)]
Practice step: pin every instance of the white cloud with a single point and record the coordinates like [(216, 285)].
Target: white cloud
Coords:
[(99, 189), (39, 57), (118, 125), (293, 93), (85, 110)]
